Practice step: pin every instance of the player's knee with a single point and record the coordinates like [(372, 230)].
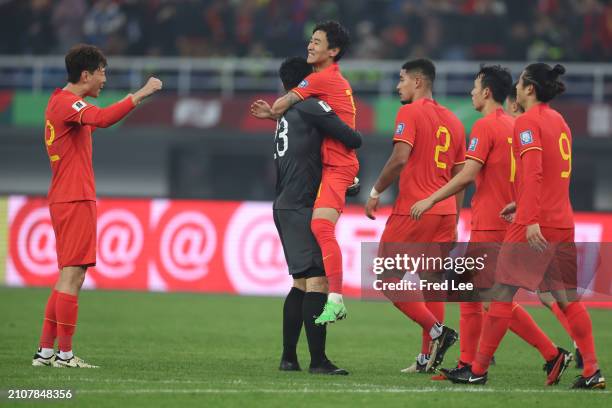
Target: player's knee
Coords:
[(322, 229), (317, 284), (300, 284)]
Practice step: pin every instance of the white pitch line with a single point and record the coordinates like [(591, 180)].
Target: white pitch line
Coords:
[(390, 390)]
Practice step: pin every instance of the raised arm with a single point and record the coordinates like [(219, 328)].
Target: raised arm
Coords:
[(282, 104), (105, 117)]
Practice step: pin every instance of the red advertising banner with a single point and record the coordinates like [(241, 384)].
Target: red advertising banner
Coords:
[(198, 246)]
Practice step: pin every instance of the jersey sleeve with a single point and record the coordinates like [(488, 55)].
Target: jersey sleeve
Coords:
[(405, 126), (105, 117), (313, 85), (480, 143), (320, 115), (527, 135), (70, 109)]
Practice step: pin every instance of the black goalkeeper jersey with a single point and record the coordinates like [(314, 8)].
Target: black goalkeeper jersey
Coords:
[(297, 151)]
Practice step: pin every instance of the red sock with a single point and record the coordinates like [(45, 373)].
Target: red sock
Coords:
[(49, 328), (495, 327), (418, 312), (562, 319), (582, 328), (470, 327), (325, 234), (437, 309), (66, 311), (526, 328)]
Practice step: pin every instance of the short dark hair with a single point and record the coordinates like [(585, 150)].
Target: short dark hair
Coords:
[(423, 66), (83, 57), (497, 79), (337, 36), (293, 70), (545, 80), (512, 93)]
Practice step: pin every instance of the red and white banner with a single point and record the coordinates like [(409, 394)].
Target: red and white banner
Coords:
[(198, 246)]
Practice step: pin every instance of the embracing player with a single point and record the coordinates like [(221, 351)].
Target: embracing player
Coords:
[(327, 45), (428, 149), (490, 163), (297, 156), (69, 123), (544, 222)]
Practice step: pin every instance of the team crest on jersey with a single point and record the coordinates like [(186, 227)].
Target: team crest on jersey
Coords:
[(526, 137), (303, 84), (400, 129), (473, 144), (78, 105)]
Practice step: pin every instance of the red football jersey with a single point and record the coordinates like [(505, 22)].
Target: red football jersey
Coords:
[(543, 151), (69, 146), (330, 86), (437, 138), (491, 144)]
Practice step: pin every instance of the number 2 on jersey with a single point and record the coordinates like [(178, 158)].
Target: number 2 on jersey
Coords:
[(281, 134), (49, 141), (566, 154), (442, 148)]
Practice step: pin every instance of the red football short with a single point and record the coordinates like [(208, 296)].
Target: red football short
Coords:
[(485, 244), (553, 269), (74, 224), (334, 182), (403, 235)]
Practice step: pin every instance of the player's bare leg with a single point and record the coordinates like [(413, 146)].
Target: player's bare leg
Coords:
[(323, 227)]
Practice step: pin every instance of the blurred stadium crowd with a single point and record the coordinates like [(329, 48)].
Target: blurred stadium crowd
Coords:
[(569, 30)]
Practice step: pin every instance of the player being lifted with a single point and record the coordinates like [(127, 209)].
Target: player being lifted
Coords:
[(297, 156), (327, 45), (544, 220), (69, 122), (490, 164), (428, 148)]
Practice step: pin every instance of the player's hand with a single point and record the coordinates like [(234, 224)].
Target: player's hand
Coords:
[(508, 212), (153, 85), (261, 109), (371, 207), (535, 238), (421, 207), (354, 188)]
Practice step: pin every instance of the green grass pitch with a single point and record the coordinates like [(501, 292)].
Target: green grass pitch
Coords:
[(181, 350)]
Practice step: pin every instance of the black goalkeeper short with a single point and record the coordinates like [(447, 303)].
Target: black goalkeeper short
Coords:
[(301, 249)]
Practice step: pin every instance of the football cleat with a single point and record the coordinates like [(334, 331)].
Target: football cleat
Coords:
[(327, 368), (73, 362), (440, 346), (287, 365), (556, 367), (464, 375), (39, 361), (578, 357), (331, 312), (416, 368), (444, 371), (594, 382)]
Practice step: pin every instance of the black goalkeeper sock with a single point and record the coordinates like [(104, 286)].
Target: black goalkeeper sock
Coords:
[(313, 307), (292, 323)]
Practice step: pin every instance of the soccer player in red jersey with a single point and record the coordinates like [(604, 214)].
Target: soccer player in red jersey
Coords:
[(428, 149), (515, 109), (544, 220), (69, 122), (490, 163), (327, 45)]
